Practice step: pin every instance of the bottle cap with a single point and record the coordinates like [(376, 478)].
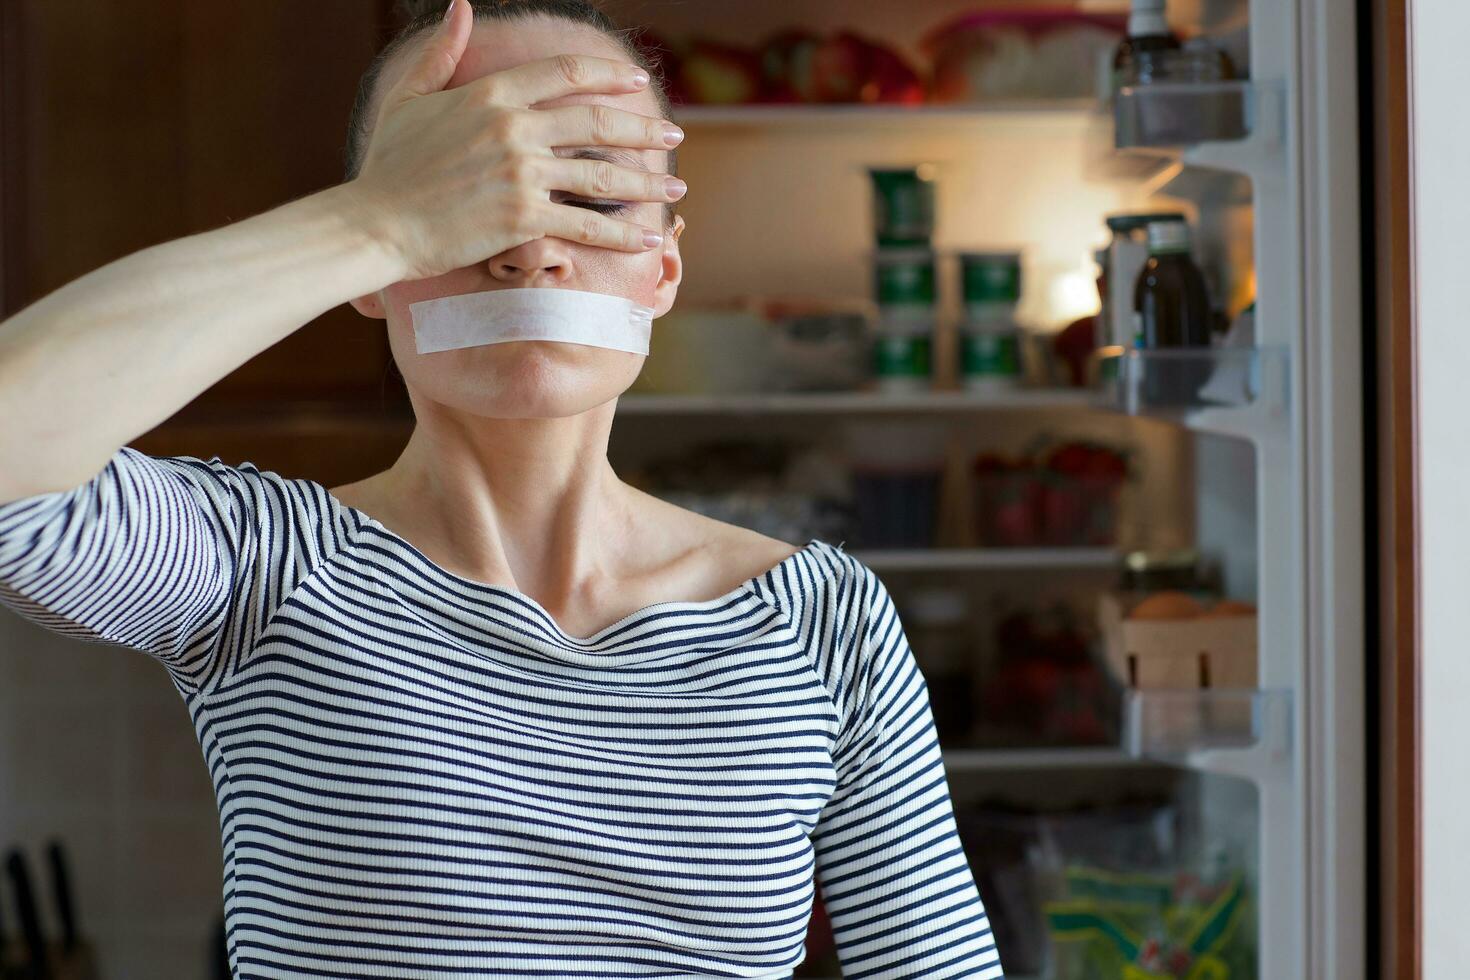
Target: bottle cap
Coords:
[(1168, 236), (1120, 224)]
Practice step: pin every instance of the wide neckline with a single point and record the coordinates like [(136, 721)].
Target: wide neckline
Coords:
[(516, 595)]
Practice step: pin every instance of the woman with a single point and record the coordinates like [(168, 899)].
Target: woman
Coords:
[(490, 712)]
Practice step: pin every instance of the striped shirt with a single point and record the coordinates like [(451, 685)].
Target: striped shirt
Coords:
[(423, 776)]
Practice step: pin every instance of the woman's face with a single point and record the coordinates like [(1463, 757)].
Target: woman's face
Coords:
[(535, 378)]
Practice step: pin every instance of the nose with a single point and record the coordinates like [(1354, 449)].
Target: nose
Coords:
[(541, 259)]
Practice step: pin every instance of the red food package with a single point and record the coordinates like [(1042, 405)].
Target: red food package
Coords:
[(846, 67), (889, 78), (783, 56)]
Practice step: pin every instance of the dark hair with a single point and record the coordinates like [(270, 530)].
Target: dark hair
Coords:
[(426, 15)]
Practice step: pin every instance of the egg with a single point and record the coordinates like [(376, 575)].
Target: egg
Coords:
[(1167, 605)]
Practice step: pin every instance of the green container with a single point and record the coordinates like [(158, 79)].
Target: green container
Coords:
[(901, 357), (901, 349), (990, 277), (904, 277), (989, 357), (903, 206)]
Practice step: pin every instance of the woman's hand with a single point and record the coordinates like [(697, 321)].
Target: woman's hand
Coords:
[(452, 177)]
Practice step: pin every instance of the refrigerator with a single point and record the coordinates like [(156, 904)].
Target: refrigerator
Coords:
[(1269, 483)]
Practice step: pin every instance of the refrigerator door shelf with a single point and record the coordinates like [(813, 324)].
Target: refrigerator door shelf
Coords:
[(1156, 130), (1240, 732), (1232, 391), (1180, 114)]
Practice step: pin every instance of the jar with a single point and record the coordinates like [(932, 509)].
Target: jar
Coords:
[(1158, 571), (903, 205)]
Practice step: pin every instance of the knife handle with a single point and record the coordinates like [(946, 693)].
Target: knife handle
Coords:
[(30, 923), (61, 891)]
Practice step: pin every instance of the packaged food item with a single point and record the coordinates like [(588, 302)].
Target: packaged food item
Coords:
[(1046, 686), (1066, 498), (1171, 640), (904, 278), (1021, 53), (904, 282), (1171, 926), (897, 505), (901, 352), (990, 337), (816, 343), (903, 206)]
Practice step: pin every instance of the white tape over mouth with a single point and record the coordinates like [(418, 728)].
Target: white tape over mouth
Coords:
[(497, 316)]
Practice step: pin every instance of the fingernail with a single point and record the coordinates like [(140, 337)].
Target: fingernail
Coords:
[(640, 77), (450, 10), (651, 239), (674, 187), (673, 135)]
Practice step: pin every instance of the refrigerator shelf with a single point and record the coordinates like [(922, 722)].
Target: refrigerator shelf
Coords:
[(1031, 760), (1241, 732), (992, 559), (801, 117), (1231, 391), (846, 402), (1174, 115)]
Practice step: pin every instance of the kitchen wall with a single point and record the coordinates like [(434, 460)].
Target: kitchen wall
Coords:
[(96, 749), (122, 126)]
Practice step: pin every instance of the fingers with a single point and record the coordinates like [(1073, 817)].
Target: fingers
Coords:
[(586, 125), (549, 78), (604, 179), (580, 225), (435, 62)]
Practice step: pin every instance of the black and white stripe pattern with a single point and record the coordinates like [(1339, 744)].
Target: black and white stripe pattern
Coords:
[(423, 776)]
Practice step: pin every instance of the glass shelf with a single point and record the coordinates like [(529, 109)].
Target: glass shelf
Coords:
[(847, 402), (1156, 131), (1239, 391), (801, 116), (1242, 732), (1173, 115)]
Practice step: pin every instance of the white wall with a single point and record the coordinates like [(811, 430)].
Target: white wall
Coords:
[(1440, 79)]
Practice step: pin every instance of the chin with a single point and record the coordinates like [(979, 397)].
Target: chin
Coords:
[(525, 378)]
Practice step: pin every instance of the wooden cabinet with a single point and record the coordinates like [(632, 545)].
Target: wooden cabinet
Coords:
[(126, 125)]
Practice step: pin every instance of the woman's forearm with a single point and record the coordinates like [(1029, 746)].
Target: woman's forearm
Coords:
[(109, 356)]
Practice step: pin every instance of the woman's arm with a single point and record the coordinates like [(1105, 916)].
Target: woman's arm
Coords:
[(893, 874), (111, 355)]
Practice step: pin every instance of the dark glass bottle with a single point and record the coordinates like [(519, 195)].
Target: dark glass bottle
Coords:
[(1147, 31), (1172, 310)]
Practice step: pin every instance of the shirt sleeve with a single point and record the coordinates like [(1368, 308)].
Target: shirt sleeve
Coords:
[(181, 558), (893, 876)]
